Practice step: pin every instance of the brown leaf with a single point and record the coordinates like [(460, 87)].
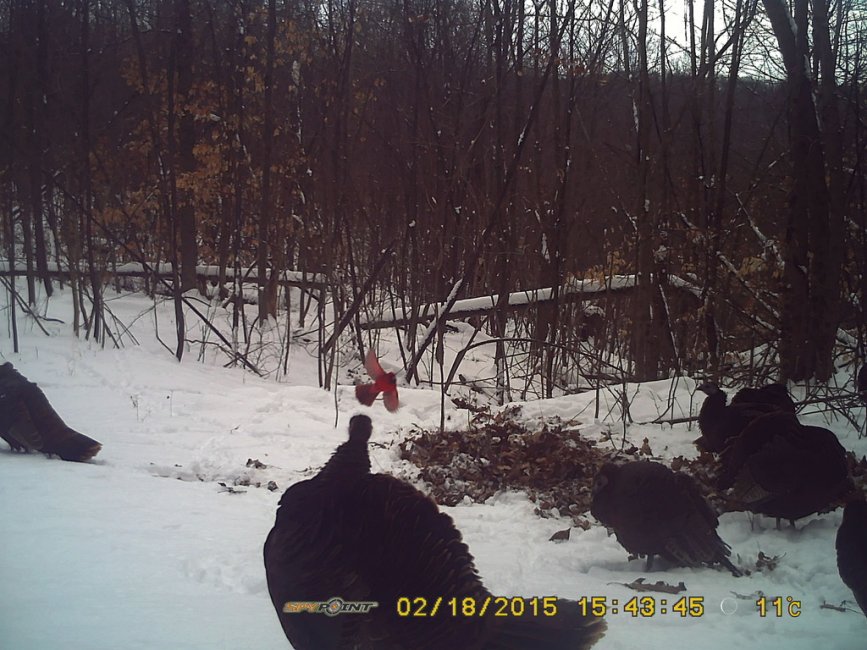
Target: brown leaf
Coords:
[(560, 535)]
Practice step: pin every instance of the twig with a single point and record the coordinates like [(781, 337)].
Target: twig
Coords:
[(356, 305), (29, 311)]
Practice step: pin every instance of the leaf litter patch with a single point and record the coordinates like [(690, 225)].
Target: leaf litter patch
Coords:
[(553, 464)]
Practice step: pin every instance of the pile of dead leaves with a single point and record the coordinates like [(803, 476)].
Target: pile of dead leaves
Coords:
[(554, 465)]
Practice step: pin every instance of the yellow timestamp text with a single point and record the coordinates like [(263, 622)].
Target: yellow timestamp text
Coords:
[(642, 606), (472, 606), (779, 607)]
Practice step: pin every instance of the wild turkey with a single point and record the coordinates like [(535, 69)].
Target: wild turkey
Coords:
[(370, 537), (774, 395), (852, 550), (655, 511), (720, 423), (781, 468), (28, 423)]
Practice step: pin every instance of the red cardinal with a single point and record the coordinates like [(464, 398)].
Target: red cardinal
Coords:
[(383, 382)]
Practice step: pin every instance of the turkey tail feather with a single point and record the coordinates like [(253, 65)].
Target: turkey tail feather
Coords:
[(569, 629), (72, 445)]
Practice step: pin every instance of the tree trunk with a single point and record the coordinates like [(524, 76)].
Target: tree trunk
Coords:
[(173, 200), (8, 159), (36, 153), (267, 299), (645, 346), (827, 263), (95, 324), (186, 162), (812, 293)]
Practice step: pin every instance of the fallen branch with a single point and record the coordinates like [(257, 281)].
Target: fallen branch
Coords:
[(662, 587)]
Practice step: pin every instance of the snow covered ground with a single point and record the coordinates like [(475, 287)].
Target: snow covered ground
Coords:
[(142, 548)]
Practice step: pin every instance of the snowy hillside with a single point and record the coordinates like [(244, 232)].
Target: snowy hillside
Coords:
[(142, 548)]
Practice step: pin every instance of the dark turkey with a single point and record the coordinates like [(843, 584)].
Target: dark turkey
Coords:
[(774, 395), (719, 422), (852, 550), (28, 423), (781, 468), (370, 537), (655, 511)]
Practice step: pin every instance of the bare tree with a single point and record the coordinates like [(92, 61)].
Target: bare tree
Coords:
[(267, 290), (184, 48), (814, 224)]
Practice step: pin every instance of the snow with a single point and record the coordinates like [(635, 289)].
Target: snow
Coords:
[(576, 286), (142, 548), (211, 271)]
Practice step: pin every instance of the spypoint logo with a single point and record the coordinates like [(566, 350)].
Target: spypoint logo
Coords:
[(331, 607)]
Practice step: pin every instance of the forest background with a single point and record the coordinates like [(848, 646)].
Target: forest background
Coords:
[(706, 171)]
